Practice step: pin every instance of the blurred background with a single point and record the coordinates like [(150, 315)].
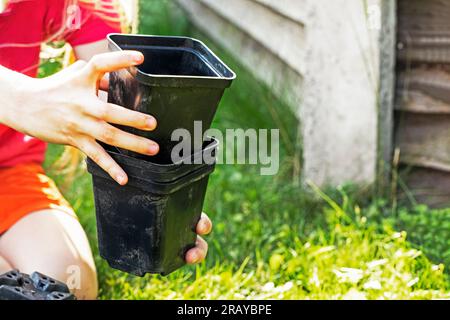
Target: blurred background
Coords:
[(358, 210)]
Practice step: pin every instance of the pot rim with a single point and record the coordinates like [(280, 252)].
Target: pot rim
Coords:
[(145, 77)]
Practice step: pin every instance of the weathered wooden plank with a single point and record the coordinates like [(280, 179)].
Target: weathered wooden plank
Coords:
[(267, 67), (388, 55), (423, 99), (424, 31), (433, 82), (423, 15), (424, 185), (418, 102), (295, 10), (424, 140), (340, 111), (283, 37), (424, 48)]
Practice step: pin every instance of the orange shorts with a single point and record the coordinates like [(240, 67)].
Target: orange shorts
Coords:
[(25, 189)]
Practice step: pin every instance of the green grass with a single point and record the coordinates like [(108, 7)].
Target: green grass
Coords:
[(274, 239)]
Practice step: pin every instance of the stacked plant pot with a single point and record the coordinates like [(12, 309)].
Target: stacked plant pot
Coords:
[(148, 225)]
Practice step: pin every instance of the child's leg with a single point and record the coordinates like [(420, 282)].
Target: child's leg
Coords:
[(4, 266), (53, 243)]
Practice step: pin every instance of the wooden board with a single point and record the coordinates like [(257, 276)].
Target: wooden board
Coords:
[(292, 9), (423, 99), (285, 82), (423, 15), (386, 93), (425, 90), (432, 81), (424, 140), (424, 31), (283, 37), (425, 185), (418, 102)]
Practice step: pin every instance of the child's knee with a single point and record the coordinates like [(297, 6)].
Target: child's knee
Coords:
[(89, 284), (59, 250), (4, 266), (78, 274)]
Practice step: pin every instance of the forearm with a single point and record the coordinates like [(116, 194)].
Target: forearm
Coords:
[(12, 94), (13, 84)]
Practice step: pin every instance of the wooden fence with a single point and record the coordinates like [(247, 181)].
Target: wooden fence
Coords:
[(423, 99)]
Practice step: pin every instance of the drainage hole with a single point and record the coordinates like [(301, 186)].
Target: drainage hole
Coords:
[(58, 295)]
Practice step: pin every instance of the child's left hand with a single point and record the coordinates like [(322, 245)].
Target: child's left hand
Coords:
[(198, 254)]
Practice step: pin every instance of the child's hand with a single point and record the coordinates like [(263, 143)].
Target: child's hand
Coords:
[(198, 254), (65, 109)]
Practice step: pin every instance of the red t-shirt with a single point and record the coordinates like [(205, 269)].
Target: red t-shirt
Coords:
[(24, 25)]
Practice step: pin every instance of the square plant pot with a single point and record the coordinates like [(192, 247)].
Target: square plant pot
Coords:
[(148, 225), (181, 81)]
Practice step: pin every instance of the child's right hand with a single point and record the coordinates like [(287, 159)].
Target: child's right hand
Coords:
[(65, 109)]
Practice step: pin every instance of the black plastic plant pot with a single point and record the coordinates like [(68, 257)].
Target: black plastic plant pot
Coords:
[(147, 226), (166, 173), (180, 82)]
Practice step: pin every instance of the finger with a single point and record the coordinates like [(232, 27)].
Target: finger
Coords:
[(94, 151), (201, 244), (113, 113), (77, 65), (104, 82), (112, 61), (204, 225), (198, 253), (111, 135)]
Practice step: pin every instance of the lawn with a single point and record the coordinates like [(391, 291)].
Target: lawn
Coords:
[(273, 238)]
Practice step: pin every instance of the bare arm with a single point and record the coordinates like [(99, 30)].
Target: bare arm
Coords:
[(11, 81), (64, 109)]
